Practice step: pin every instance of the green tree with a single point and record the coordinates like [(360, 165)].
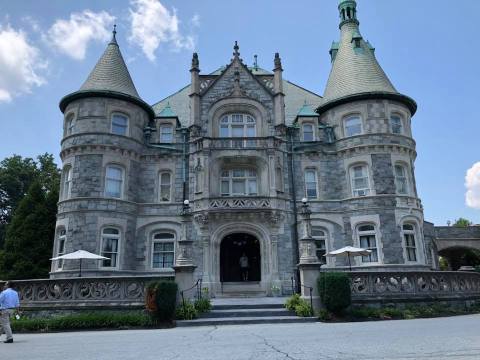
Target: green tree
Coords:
[(16, 176), (29, 240), (462, 222)]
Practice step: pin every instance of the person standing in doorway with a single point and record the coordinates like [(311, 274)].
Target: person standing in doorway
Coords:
[(9, 304), (244, 267)]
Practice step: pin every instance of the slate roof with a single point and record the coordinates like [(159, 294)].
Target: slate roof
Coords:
[(111, 73), (295, 98), (306, 111), (355, 71), (167, 112)]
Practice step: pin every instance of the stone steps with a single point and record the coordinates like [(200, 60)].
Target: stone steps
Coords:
[(239, 311)]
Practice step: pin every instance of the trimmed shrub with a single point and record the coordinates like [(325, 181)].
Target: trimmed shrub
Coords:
[(292, 302), (161, 300), (334, 290), (203, 305), (186, 311), (303, 309)]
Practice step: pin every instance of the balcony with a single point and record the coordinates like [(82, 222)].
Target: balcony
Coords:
[(237, 143)]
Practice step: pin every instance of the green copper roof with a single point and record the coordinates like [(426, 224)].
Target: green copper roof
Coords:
[(355, 72), (167, 112), (306, 111), (111, 73)]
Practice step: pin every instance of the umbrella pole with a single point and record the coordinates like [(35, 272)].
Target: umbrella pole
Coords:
[(349, 263), (80, 268)]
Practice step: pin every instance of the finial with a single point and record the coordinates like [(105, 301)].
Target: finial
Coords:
[(195, 62), (278, 62), (114, 33), (255, 62), (236, 53)]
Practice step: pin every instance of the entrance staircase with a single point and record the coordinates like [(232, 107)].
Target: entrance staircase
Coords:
[(257, 310)]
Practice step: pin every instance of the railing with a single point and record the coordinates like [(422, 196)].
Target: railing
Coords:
[(237, 143), (198, 291), (239, 203), (83, 292), (415, 285), (310, 288)]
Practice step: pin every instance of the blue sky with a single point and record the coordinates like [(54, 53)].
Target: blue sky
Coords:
[(428, 49)]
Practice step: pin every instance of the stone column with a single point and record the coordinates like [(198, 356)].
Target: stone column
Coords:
[(184, 267), (309, 265)]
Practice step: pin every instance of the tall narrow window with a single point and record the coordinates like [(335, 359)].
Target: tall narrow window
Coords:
[(110, 244), (165, 186), (396, 124), (67, 182), (62, 238), (308, 134), (367, 239), (410, 246), (359, 180), (113, 181), (311, 184), (353, 126), (320, 237), (119, 124), (166, 133), (401, 180), (70, 124), (163, 250), (238, 182)]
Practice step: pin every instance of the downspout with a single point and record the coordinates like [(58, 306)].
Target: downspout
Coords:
[(295, 210)]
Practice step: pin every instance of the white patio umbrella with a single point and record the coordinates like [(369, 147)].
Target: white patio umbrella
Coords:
[(349, 251), (80, 255)]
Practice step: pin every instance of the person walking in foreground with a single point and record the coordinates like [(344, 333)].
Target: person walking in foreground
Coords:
[(9, 303)]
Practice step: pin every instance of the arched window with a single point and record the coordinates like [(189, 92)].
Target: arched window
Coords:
[(113, 181), (110, 247), (163, 250), (62, 238), (353, 126), (166, 133), (308, 134), (165, 180), (401, 179), (70, 124), (67, 182), (396, 126), (359, 180), (367, 239), (239, 182), (409, 242), (238, 126), (320, 236), (311, 184), (119, 124)]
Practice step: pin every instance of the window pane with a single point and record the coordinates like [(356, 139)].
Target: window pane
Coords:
[(237, 131), (166, 134), (310, 176), (111, 231), (119, 124), (238, 173), (396, 124), (165, 179), (238, 186), (407, 227), (224, 131), (307, 132), (114, 173), (250, 131), (353, 126), (366, 228), (316, 232), (252, 187)]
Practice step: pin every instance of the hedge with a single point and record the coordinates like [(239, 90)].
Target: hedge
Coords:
[(161, 300), (335, 292)]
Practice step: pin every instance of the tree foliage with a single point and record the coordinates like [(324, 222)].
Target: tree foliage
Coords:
[(28, 207), (462, 222)]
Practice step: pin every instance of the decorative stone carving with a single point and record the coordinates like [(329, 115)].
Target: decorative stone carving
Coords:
[(201, 219)]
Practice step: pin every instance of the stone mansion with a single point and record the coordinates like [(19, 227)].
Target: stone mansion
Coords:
[(226, 166)]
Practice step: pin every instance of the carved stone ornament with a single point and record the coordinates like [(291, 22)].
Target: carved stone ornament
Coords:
[(201, 219)]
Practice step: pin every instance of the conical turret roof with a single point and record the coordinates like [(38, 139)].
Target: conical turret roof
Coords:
[(111, 73), (355, 71), (109, 78)]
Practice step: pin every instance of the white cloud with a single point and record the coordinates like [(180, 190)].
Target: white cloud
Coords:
[(472, 183), (153, 24), (20, 64), (195, 20), (73, 36)]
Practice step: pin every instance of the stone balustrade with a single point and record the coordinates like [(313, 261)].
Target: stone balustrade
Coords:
[(414, 286), (77, 293), (237, 143)]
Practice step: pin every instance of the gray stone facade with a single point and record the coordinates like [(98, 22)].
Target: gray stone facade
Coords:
[(197, 156)]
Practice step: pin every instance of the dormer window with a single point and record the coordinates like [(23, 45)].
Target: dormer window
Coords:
[(308, 134), (119, 124), (166, 133)]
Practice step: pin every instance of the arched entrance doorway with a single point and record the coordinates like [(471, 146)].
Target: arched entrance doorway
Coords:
[(232, 248)]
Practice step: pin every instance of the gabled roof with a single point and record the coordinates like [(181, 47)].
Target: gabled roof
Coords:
[(167, 112), (306, 111), (111, 73)]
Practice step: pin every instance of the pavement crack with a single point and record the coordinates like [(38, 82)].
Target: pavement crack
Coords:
[(271, 346), (210, 332)]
